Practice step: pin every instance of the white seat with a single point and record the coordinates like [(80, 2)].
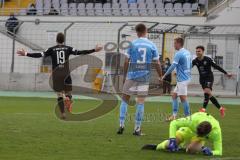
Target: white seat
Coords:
[(158, 1), (124, 6), (107, 12), (150, 5), (125, 12), (195, 6), (178, 6), (115, 6), (82, 12), (179, 12), (187, 12), (143, 12), (202, 2), (123, 1), (98, 5), (161, 12), (89, 6), (116, 12), (152, 12), (170, 12), (90, 12), (168, 6), (149, 1), (107, 5), (159, 6), (133, 5), (81, 6), (186, 5), (140, 1), (141, 6), (39, 12)]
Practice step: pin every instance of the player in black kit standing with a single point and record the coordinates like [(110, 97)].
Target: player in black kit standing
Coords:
[(204, 65), (62, 82)]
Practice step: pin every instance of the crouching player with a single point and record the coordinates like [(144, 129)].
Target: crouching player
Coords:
[(191, 133)]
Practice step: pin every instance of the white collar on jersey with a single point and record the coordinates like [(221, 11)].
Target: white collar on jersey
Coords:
[(180, 49), (142, 37)]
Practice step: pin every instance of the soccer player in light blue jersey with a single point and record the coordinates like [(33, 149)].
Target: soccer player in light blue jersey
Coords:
[(137, 67), (182, 63)]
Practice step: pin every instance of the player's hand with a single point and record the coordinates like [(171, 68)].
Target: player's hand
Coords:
[(163, 77), (160, 81), (229, 75), (172, 145), (21, 52), (98, 48), (207, 151)]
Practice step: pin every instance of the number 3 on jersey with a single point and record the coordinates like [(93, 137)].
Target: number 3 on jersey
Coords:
[(60, 57), (142, 56)]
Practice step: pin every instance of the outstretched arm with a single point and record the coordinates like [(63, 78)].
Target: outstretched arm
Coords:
[(173, 65), (214, 65), (84, 52), (22, 52), (170, 69)]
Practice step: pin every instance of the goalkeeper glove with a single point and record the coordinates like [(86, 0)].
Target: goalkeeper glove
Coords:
[(172, 145), (207, 151)]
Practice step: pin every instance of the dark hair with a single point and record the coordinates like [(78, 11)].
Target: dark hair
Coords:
[(200, 47), (204, 128), (141, 28), (179, 40), (60, 38)]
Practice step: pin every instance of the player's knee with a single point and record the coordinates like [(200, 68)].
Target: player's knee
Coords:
[(69, 96), (125, 98), (183, 98), (208, 91), (206, 96), (174, 96), (140, 100)]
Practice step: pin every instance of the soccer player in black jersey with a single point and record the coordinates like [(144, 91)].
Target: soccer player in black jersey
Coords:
[(60, 69), (204, 65)]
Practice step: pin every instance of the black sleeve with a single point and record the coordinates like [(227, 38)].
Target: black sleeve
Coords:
[(41, 54), (193, 63), (214, 65), (82, 52)]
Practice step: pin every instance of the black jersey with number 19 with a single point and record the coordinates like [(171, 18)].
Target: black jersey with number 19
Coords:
[(60, 64)]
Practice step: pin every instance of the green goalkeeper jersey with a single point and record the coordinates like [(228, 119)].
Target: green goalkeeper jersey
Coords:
[(215, 136)]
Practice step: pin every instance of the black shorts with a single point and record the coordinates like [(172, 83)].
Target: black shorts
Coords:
[(206, 84), (62, 83)]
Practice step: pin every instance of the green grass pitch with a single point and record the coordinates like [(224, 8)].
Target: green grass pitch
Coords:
[(29, 130)]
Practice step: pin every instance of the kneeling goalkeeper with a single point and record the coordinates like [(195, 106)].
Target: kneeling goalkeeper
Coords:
[(191, 133)]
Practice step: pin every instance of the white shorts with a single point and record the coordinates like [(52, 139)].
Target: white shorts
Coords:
[(132, 87), (181, 88)]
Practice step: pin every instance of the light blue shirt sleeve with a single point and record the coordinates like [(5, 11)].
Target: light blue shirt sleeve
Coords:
[(176, 58), (127, 53), (170, 69)]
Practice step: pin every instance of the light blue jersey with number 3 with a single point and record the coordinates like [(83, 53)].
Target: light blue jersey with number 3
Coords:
[(183, 61), (141, 54)]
